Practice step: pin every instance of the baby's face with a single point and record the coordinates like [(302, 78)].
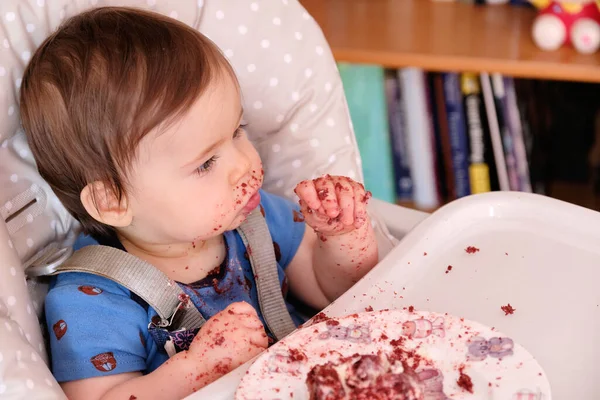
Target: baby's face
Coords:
[(196, 179)]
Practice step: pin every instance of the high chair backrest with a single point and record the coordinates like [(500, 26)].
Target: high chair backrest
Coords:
[(294, 106)]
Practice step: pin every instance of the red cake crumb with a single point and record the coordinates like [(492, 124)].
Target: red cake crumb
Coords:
[(322, 193), (411, 308), (508, 309), (471, 249), (219, 340), (320, 317), (449, 268), (408, 358), (297, 355), (368, 309), (464, 380), (324, 382), (132, 397)]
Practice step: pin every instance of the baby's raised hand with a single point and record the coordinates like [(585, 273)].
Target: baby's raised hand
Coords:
[(229, 339), (333, 205)]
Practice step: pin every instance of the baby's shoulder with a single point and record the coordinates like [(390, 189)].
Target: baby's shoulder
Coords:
[(87, 284), (84, 295)]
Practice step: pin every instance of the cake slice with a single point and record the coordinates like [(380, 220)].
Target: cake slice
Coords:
[(363, 377)]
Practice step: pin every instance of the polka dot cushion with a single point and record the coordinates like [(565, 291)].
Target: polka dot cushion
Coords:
[(294, 107), (23, 370)]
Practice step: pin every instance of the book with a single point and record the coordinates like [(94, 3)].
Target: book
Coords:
[(397, 123), (479, 155), (458, 133), (516, 130), (420, 137), (365, 94), (493, 125), (510, 158), (443, 145)]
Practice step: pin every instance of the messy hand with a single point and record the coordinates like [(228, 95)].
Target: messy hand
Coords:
[(230, 338), (333, 205)]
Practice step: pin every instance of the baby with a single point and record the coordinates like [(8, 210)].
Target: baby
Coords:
[(134, 120)]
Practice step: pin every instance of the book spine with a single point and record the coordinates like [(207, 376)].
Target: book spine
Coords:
[(419, 128), (397, 123), (496, 139), (505, 132), (443, 135), (479, 171), (458, 134), (516, 129)]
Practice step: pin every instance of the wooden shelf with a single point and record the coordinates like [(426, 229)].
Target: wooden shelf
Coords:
[(440, 36)]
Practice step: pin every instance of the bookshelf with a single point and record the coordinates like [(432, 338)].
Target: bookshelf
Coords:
[(445, 36), (440, 36)]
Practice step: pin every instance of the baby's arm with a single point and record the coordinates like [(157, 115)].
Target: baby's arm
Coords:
[(169, 381), (344, 247), (227, 340)]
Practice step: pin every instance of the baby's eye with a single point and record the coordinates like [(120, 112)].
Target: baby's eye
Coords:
[(207, 166), (239, 131)]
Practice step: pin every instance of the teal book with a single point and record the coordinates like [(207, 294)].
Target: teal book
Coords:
[(364, 88)]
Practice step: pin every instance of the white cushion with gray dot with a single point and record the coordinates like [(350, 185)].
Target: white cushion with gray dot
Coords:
[(294, 106)]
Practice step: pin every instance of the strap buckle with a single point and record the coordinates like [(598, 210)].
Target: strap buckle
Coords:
[(184, 303), (48, 261)]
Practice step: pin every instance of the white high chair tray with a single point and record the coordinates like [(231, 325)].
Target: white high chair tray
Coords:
[(536, 253)]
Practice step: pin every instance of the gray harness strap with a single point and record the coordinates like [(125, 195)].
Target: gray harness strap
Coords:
[(140, 277), (169, 300), (259, 245)]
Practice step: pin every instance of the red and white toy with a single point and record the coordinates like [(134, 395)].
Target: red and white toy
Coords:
[(573, 22)]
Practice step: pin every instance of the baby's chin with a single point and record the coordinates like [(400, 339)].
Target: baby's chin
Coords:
[(238, 217), (238, 220)]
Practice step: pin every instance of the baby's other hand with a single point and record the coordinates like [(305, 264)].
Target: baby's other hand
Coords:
[(230, 338), (333, 205)]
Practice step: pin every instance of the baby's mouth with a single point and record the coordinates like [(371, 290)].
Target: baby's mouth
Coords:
[(252, 203)]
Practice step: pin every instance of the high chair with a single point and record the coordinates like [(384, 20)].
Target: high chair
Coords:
[(297, 118)]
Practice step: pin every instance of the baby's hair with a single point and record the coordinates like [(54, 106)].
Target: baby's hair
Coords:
[(98, 85)]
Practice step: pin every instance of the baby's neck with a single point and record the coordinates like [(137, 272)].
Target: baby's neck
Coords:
[(181, 262)]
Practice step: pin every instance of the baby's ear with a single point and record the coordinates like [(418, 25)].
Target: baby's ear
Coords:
[(102, 203)]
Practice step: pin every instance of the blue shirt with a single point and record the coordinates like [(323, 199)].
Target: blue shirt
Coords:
[(98, 327)]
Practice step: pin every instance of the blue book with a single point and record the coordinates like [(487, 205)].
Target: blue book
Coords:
[(459, 141)]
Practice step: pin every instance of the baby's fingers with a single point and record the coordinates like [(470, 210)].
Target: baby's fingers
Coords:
[(307, 192), (313, 217), (240, 308), (258, 340), (327, 195), (361, 199), (251, 322), (345, 194)]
